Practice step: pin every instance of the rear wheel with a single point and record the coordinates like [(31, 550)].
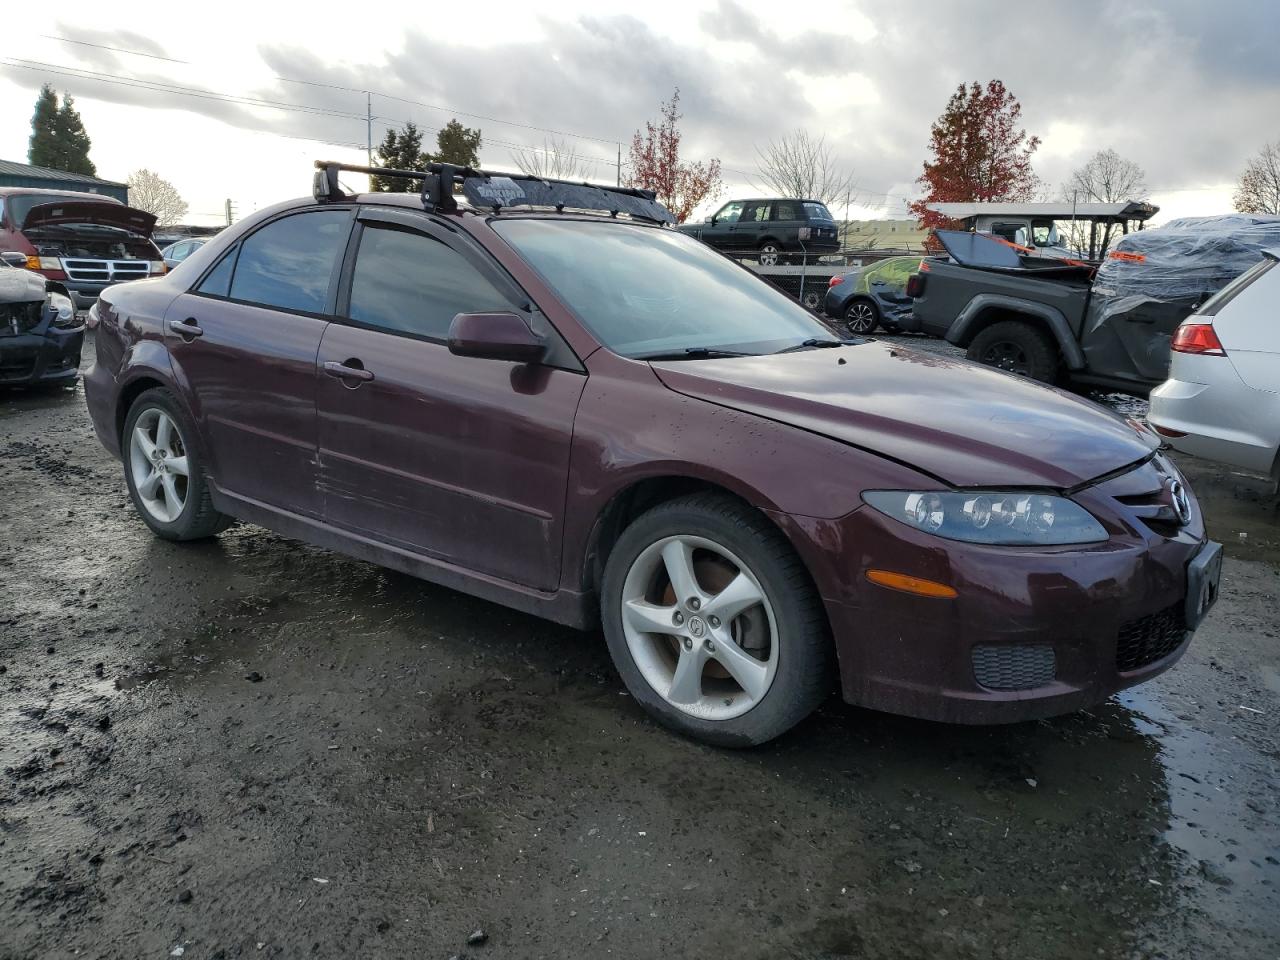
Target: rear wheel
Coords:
[(163, 471), (861, 316), (770, 254), (713, 623), (1019, 348)]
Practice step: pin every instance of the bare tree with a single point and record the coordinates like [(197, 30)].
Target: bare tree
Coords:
[(1259, 188), (800, 166), (1107, 177), (554, 159), (151, 192)]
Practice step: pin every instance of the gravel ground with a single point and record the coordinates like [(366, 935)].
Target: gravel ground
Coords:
[(249, 747)]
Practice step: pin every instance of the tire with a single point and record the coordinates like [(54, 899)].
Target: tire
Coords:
[(770, 254), (861, 316), (176, 506), (790, 667), (1017, 347)]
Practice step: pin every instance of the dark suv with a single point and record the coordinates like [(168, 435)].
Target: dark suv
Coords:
[(550, 399), (775, 229)]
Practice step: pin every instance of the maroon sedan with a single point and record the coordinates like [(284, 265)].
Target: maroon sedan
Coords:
[(601, 421)]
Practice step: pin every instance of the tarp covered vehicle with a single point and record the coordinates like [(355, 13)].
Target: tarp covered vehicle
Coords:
[(1054, 320)]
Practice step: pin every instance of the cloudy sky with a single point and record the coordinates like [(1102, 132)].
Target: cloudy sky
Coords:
[(1187, 89)]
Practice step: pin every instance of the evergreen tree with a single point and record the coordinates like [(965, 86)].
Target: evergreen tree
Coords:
[(58, 137), (401, 151), (74, 140), (43, 149), (457, 144)]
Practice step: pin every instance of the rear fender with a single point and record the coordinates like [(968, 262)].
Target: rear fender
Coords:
[(976, 315)]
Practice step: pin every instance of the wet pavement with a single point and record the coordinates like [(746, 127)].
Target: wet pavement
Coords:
[(253, 748)]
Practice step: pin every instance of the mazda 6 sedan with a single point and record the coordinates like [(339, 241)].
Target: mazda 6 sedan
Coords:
[(601, 421)]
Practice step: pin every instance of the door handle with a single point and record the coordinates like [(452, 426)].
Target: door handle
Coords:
[(348, 370), (187, 329)]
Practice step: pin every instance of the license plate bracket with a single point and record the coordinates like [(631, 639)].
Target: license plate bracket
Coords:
[(1204, 579)]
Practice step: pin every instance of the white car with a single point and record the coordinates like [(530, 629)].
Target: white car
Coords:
[(1222, 398)]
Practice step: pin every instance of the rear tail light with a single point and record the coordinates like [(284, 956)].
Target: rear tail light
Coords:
[(835, 281), (1197, 338), (915, 285)]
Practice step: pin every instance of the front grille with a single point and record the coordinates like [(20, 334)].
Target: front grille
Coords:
[(1014, 667), (106, 271), (19, 318), (1147, 639)]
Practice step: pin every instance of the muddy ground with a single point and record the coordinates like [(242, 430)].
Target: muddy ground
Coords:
[(253, 748)]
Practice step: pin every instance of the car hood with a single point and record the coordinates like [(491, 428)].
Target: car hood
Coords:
[(965, 424), (20, 286), (97, 212)]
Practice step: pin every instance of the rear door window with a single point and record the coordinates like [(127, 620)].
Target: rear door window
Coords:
[(289, 263), (408, 282), (787, 210)]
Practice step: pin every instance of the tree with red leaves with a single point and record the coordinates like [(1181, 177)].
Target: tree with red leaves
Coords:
[(979, 152), (656, 166)]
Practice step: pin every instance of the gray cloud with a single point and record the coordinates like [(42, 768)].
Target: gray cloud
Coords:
[(1186, 90)]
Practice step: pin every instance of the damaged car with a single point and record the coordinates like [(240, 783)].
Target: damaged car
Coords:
[(482, 389), (1061, 321), (84, 242), (40, 334)]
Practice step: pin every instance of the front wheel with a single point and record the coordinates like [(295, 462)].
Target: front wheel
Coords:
[(713, 623), (163, 471)]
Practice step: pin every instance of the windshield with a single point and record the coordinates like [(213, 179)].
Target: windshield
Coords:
[(20, 205), (643, 292), (817, 211)]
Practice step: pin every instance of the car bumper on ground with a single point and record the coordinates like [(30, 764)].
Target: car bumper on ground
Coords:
[(45, 356), (1032, 632)]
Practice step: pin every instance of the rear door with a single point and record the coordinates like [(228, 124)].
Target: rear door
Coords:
[(788, 217), (461, 459), (753, 226), (243, 343)]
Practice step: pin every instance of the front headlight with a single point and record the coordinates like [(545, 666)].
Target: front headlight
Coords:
[(66, 310), (987, 516)]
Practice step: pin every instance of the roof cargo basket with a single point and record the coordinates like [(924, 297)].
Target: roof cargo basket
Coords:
[(487, 189)]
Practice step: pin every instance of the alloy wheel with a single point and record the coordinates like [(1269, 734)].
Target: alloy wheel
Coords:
[(699, 627), (159, 466), (860, 317), (769, 255), (1007, 356)]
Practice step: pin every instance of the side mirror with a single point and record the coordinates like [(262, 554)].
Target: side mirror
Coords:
[(1020, 238), (711, 220), (495, 336), (14, 258)]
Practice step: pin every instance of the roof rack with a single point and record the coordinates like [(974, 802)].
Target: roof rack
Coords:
[(496, 190)]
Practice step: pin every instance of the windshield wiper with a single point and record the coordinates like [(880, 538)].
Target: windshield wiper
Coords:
[(694, 353), (815, 343)]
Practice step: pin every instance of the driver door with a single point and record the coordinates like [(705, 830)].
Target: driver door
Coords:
[(719, 234), (460, 459)]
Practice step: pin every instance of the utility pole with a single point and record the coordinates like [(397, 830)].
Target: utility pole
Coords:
[(231, 212), (619, 183), (368, 126)]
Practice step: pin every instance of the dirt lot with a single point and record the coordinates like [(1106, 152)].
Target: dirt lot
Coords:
[(252, 748)]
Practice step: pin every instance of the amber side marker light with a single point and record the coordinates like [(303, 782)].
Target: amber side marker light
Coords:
[(916, 585)]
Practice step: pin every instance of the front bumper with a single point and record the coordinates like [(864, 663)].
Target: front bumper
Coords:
[(1054, 629), (46, 355)]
